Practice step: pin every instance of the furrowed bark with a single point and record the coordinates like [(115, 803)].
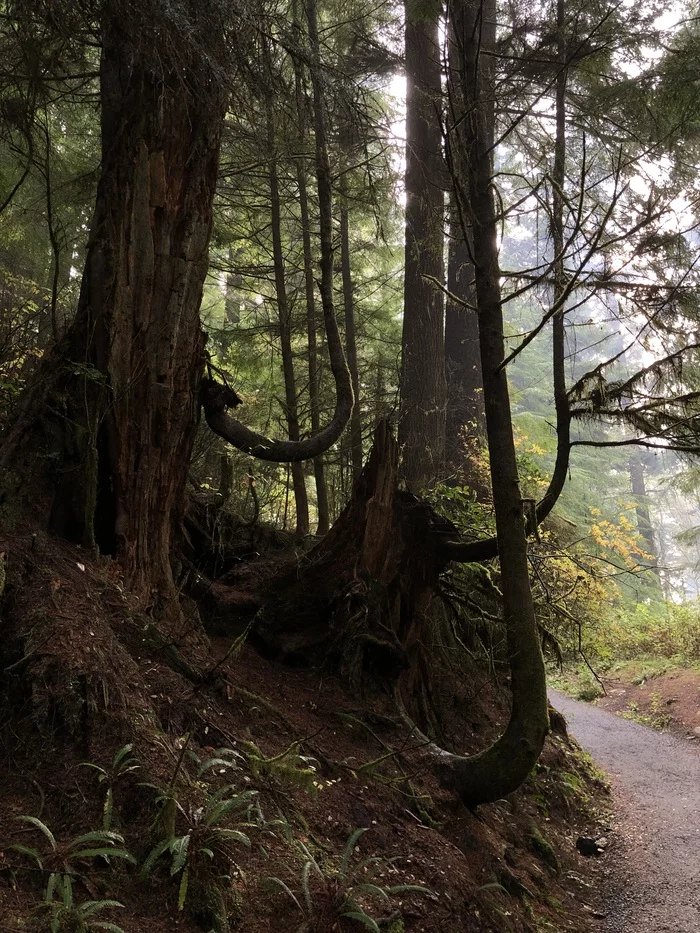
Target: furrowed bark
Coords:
[(115, 413), (422, 422)]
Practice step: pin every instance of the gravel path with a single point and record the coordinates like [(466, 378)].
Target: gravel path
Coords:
[(653, 864)]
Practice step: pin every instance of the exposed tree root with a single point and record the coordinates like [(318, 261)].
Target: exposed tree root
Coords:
[(365, 600)]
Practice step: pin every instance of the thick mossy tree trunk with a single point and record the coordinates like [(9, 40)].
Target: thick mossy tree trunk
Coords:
[(101, 446)]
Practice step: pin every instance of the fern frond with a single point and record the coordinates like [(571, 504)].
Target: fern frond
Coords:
[(42, 827), (349, 850), (363, 918), (178, 849)]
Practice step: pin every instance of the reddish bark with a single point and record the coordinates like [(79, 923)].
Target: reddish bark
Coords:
[(118, 405)]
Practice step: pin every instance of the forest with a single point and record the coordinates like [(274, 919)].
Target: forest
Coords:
[(349, 394)]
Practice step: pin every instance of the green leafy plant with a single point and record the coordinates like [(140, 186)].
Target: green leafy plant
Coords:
[(221, 762), (207, 838), (60, 913), (122, 764), (332, 893), (288, 768), (61, 859), (490, 898), (657, 716)]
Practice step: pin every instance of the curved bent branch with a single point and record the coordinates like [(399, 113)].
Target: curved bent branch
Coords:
[(279, 451), (213, 399), (474, 551)]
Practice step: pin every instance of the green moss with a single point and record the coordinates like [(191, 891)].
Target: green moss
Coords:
[(213, 906), (593, 771), (542, 848), (396, 926)]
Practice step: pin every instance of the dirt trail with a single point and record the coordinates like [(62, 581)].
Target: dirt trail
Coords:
[(652, 869)]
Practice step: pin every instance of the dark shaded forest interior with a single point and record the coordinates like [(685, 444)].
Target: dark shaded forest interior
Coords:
[(287, 669)]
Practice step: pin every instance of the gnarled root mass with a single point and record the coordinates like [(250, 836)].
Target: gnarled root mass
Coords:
[(364, 600), (362, 595)]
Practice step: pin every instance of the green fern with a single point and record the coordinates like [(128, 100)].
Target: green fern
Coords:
[(60, 913), (60, 858), (222, 762), (207, 840), (122, 764), (346, 887)]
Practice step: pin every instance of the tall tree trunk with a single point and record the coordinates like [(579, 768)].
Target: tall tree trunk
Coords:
[(379, 390), (309, 289), (216, 399), (505, 765), (422, 424), (488, 548), (233, 284), (385, 552), (102, 446), (465, 398), (350, 340), (644, 525), (561, 399), (301, 501)]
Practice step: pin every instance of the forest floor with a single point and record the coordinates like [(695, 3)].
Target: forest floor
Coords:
[(651, 867), (320, 762)]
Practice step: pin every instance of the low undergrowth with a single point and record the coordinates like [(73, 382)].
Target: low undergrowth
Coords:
[(657, 714), (260, 798)]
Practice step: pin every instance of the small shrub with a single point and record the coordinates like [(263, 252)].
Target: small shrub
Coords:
[(60, 914), (62, 860), (542, 848), (657, 716), (205, 853), (340, 892), (122, 764), (289, 768)]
